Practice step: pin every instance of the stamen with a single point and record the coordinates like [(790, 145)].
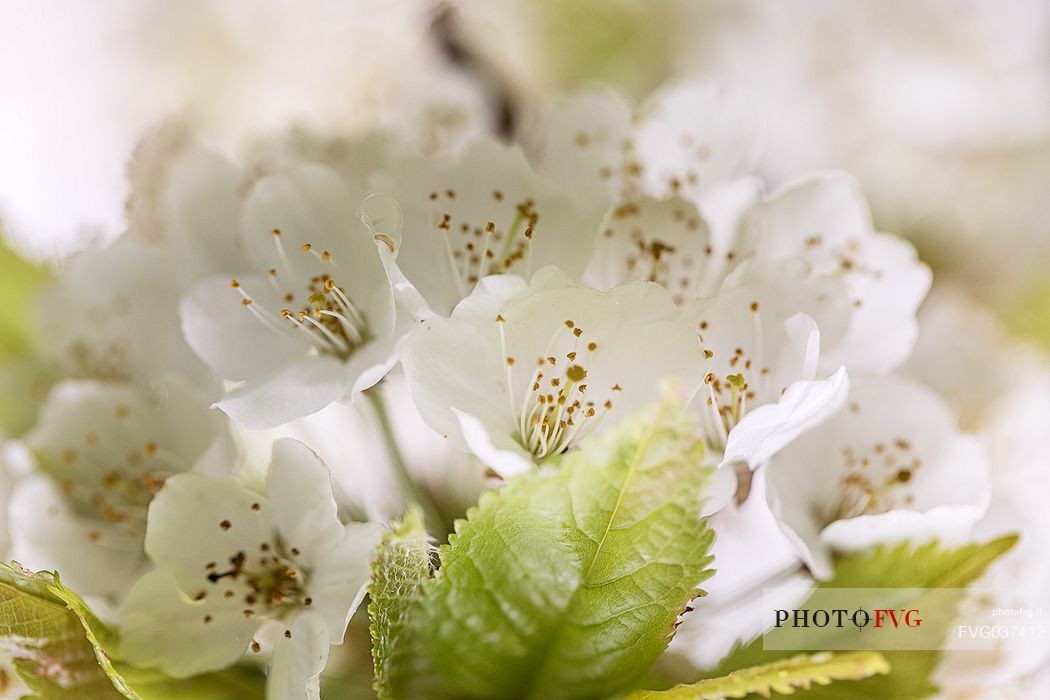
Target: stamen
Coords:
[(280, 250), (258, 311)]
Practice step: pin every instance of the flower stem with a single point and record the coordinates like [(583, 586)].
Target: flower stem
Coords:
[(413, 493)]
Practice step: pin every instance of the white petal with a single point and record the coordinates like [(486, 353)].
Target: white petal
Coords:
[(299, 656), (163, 628), (311, 204), (665, 241), (720, 490), (500, 452), (754, 557), (489, 296), (883, 329), (948, 525), (443, 361), (197, 520), (305, 387), (369, 364), (338, 582), (693, 135), (230, 337), (766, 430), (94, 557), (583, 142), (792, 506), (301, 502)]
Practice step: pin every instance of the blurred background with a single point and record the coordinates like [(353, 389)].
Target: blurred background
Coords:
[(940, 107)]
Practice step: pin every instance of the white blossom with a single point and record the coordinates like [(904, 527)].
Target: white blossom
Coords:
[(230, 559), (761, 338), (103, 450), (311, 320), (890, 466), (487, 213), (522, 371)]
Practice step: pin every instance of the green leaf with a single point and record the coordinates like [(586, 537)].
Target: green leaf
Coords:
[(63, 652), (19, 280), (24, 383), (1027, 312), (904, 566), (399, 572), (569, 583), (57, 651), (236, 683), (784, 677), (24, 375)]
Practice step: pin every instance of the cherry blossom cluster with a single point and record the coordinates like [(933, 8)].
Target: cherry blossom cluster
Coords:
[(210, 460)]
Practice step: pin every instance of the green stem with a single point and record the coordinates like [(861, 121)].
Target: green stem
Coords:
[(415, 495)]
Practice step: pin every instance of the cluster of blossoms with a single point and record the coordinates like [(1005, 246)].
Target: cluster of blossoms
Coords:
[(510, 302)]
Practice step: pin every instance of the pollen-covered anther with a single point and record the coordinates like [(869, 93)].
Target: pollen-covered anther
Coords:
[(552, 414)]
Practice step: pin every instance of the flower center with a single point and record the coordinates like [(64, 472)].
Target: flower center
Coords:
[(477, 247), (736, 386), (121, 493), (873, 479), (266, 583), (327, 315), (686, 262), (557, 407)]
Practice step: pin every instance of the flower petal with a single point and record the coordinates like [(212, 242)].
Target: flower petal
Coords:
[(299, 656), (303, 388), (500, 452), (198, 522), (337, 583), (767, 429), (94, 557), (230, 337), (301, 503), (162, 628)]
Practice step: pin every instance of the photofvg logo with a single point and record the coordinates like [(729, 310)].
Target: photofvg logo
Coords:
[(905, 619), (841, 618)]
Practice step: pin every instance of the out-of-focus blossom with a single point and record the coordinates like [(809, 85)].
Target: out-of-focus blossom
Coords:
[(891, 466), (488, 213), (103, 451), (689, 138), (824, 220), (111, 314), (1020, 474), (940, 108)]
